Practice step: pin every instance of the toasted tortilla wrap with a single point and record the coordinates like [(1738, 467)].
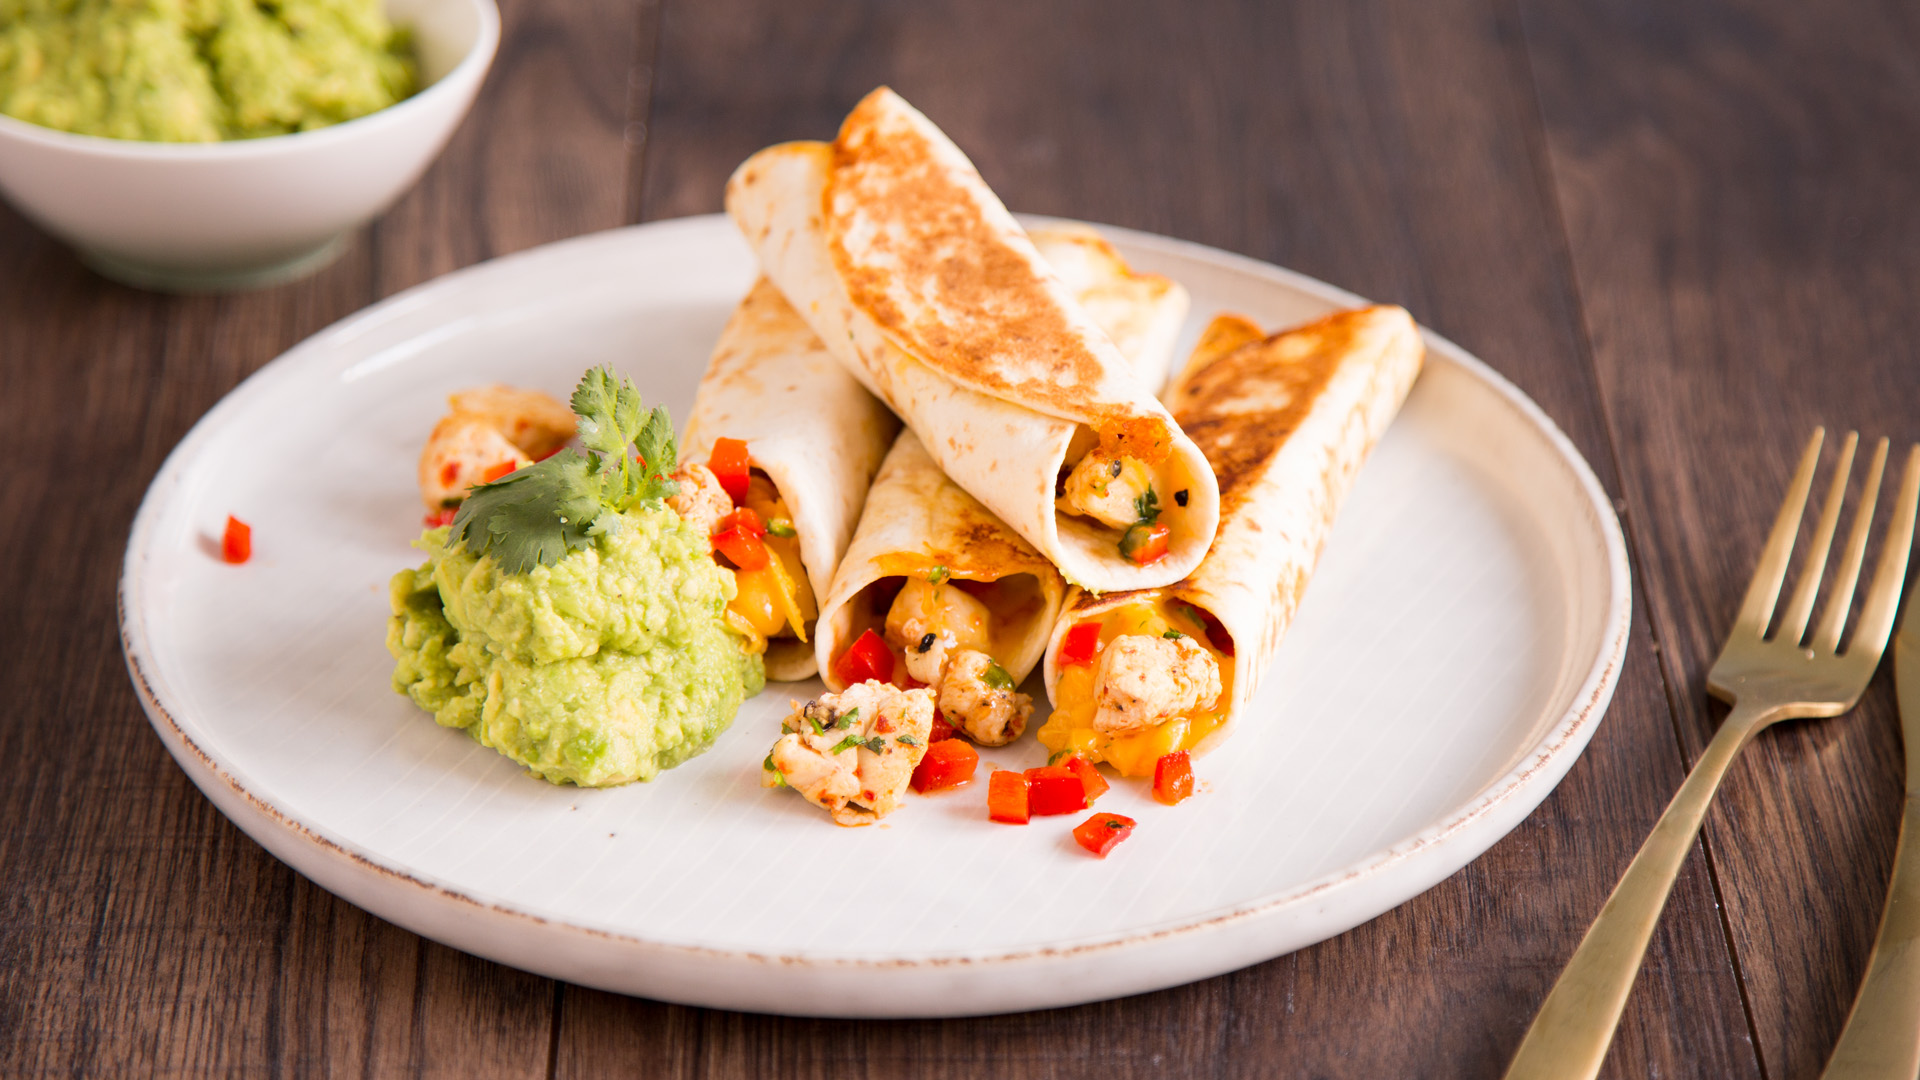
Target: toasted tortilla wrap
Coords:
[(810, 428), (1140, 313), (916, 277), (922, 525), (1286, 422)]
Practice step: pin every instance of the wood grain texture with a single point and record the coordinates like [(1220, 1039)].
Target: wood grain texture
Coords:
[(141, 934), (1390, 148), (1741, 185)]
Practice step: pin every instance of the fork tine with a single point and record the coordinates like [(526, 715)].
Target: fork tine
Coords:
[(1883, 596), (1833, 618), (1793, 625), (1757, 609)]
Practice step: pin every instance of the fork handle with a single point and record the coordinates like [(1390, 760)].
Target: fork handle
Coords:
[(1569, 1037), (1882, 1036)]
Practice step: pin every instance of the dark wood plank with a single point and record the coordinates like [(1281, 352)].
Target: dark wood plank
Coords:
[(1388, 147), (1741, 182), (140, 933)]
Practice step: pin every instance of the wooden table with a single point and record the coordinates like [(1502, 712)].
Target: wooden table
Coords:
[(1690, 231)]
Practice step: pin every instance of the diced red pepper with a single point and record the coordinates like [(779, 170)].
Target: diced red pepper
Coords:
[(1007, 797), (1080, 643), (942, 731), (946, 764), (1101, 832), (1055, 789), (730, 462), (236, 544), (1217, 635), (1145, 543), (1090, 777), (442, 516), (742, 548), (1172, 777), (497, 470), (743, 518), (867, 658)]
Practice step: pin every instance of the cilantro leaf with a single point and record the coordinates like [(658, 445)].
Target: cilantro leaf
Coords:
[(535, 515), (1147, 507), (532, 516)]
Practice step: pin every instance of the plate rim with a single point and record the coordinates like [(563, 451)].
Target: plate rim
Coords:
[(1540, 764)]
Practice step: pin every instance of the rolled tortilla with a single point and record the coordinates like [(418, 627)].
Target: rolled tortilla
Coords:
[(809, 426), (914, 275), (1140, 313), (1286, 422), (919, 524)]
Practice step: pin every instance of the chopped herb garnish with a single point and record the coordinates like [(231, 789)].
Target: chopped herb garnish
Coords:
[(846, 718), (1147, 507), (938, 574), (535, 515), (1173, 635), (925, 643), (1114, 825), (997, 677), (877, 744), (784, 527), (818, 727), (847, 743), (1180, 497), (910, 740), (770, 766), (1054, 758)]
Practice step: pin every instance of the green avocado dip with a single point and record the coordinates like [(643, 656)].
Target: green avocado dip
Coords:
[(199, 70), (586, 639)]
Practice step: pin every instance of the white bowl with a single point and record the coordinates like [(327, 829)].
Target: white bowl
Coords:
[(214, 216)]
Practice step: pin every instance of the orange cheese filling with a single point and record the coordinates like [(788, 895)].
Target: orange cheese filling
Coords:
[(776, 600), (1071, 729)]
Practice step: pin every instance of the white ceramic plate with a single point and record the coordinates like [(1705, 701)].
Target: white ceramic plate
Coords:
[(1459, 644)]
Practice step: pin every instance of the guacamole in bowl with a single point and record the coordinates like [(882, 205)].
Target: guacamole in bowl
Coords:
[(199, 70)]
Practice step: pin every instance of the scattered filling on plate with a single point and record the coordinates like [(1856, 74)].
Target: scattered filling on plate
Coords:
[(199, 70), (853, 753), (1139, 681), (568, 618), (944, 633), (489, 432)]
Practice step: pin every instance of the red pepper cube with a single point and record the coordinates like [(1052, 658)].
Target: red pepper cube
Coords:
[(867, 658), (742, 548), (1172, 777), (1090, 778), (497, 470), (1007, 797), (1080, 643), (1101, 832), (942, 730), (730, 462), (442, 516), (1145, 542), (743, 519), (236, 543), (1055, 789), (946, 764)]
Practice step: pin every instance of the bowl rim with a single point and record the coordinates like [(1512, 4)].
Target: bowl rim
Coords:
[(471, 68)]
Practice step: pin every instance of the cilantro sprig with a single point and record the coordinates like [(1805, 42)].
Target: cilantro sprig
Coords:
[(535, 515)]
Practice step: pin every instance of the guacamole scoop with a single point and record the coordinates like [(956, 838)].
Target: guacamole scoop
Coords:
[(607, 666), (199, 70)]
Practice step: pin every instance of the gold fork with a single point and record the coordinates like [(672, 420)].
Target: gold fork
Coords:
[(1766, 680)]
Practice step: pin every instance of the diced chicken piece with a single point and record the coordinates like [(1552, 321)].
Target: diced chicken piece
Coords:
[(457, 456), (535, 422), (852, 753), (977, 696), (700, 499), (1106, 489), (930, 621), (1144, 681)]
